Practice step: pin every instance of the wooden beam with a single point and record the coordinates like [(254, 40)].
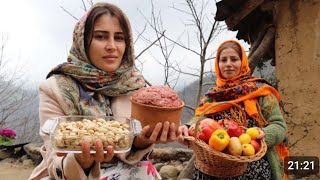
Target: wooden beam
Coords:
[(243, 11), (258, 39), (262, 48)]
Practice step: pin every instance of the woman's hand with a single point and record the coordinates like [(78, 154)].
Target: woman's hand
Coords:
[(262, 134), (86, 159), (162, 133), (184, 132)]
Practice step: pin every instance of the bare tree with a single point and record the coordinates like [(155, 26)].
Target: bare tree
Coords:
[(15, 99), (196, 39), (199, 33)]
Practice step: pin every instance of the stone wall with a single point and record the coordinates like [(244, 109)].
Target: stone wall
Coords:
[(298, 71)]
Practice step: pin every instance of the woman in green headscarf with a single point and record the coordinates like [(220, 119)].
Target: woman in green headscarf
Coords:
[(97, 79)]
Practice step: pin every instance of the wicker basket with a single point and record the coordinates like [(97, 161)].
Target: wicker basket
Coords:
[(219, 164)]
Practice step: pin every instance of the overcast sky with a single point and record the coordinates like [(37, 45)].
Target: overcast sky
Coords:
[(39, 33)]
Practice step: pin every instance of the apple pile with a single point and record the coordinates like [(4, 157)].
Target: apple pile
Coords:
[(228, 137)]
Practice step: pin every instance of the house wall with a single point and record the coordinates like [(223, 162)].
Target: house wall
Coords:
[(298, 71)]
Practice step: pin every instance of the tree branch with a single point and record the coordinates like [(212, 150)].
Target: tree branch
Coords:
[(148, 47), (68, 12), (262, 49), (140, 33), (189, 107), (170, 39), (257, 41)]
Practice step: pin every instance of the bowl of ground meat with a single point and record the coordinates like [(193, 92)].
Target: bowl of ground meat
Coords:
[(154, 104)]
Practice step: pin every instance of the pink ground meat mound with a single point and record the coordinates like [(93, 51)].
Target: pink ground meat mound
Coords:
[(161, 96)]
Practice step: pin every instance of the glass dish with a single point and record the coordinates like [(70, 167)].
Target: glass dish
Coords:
[(68, 132)]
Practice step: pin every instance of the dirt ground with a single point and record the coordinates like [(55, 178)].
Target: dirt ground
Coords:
[(19, 171), (15, 170)]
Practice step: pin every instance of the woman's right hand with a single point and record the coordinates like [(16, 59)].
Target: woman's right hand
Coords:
[(184, 132), (86, 159), (162, 133)]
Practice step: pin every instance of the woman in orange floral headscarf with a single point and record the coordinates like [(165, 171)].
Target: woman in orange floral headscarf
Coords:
[(260, 102)]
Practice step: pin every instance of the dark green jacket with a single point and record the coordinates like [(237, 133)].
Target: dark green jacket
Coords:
[(275, 133)]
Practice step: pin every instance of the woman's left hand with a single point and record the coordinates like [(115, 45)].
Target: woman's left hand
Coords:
[(262, 134), (162, 133)]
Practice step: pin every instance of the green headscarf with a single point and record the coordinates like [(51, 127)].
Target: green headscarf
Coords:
[(123, 81)]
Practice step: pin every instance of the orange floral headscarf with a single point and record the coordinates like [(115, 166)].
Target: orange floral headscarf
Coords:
[(240, 89)]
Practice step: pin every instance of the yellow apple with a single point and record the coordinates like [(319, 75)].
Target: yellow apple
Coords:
[(253, 132), (247, 150), (245, 138)]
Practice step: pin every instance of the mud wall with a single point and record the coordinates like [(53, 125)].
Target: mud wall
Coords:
[(298, 71)]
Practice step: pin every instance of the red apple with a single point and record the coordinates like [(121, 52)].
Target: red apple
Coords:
[(212, 123), (255, 145), (208, 121)]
